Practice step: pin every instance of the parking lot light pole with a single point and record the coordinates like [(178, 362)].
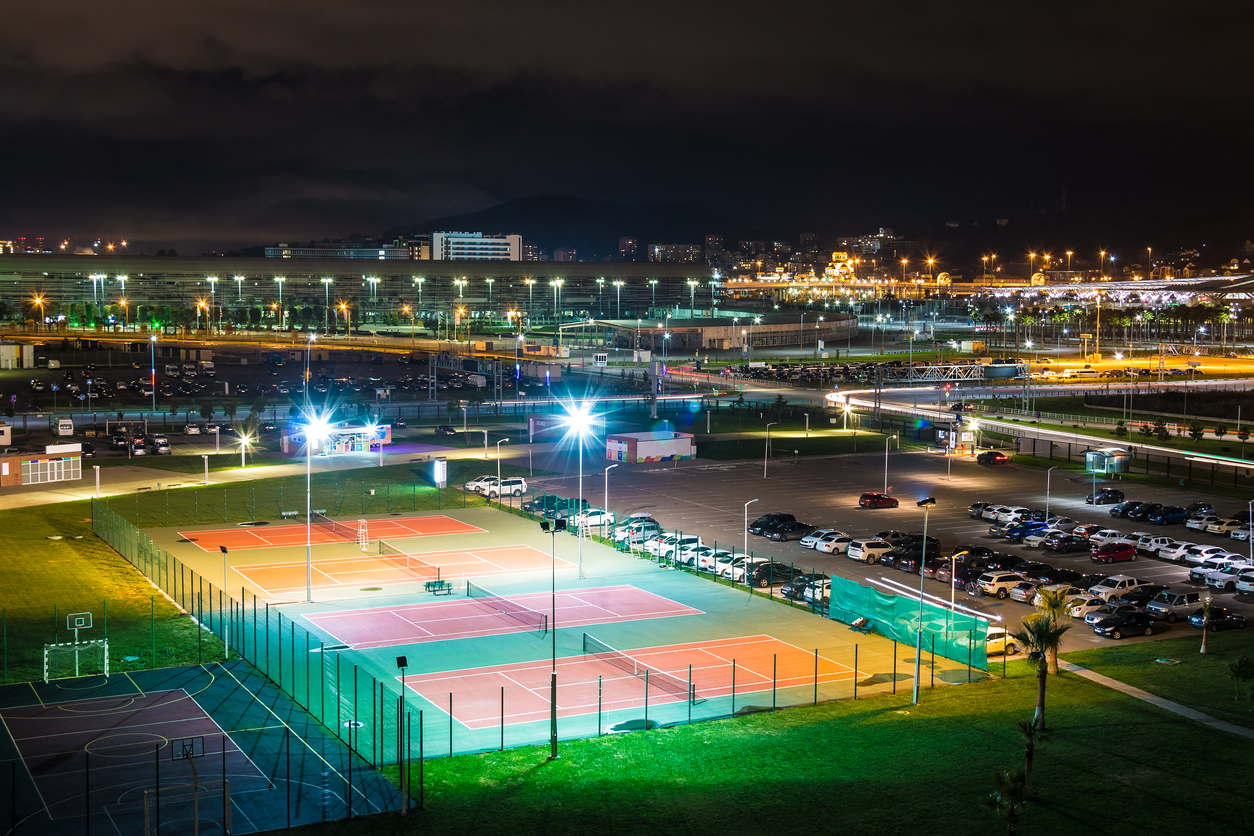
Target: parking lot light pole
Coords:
[(499, 492), (747, 504), (1047, 474), (1249, 522), (605, 509), (766, 452), (926, 505), (887, 441), (152, 343)]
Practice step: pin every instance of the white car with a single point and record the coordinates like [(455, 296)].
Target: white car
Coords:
[(706, 557), (656, 543), (121, 385), (868, 551), (1116, 586), (836, 545), (736, 571), (1201, 522), (1197, 555), (594, 517), (998, 583), (817, 591), (1036, 538), (812, 539), (1061, 523), (1225, 577), (1082, 607), (1008, 514), (992, 511), (1213, 564), (191, 429), (1106, 535), (727, 560), (1245, 582), (1073, 593), (511, 486), (1151, 543), (677, 544), (1175, 552), (480, 484), (1242, 533)]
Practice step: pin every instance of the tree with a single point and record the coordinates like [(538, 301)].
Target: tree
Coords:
[(1039, 635), (1196, 431), (453, 406), (230, 408), (1145, 431), (780, 403), (1220, 431), (1054, 604), (1009, 797), (1243, 433), (1161, 432), (1031, 735), (1121, 429), (206, 410), (476, 399), (1241, 670)]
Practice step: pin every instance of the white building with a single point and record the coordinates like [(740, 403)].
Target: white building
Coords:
[(475, 246)]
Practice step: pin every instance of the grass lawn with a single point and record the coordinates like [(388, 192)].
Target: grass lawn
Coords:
[(186, 464), (876, 766)]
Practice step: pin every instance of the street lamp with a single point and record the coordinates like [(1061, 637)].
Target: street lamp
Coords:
[(152, 344), (316, 429), (347, 326), (279, 281), (326, 308), (618, 303), (747, 504), (579, 424), (530, 283), (606, 507), (239, 288), (692, 298), (886, 442), (126, 312), (926, 505), (767, 450), (461, 283), (489, 281), (552, 529), (499, 493), (653, 287), (418, 280), (1047, 476)]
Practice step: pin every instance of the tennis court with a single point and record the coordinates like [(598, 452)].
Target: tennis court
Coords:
[(460, 618), (274, 536), (288, 578), (481, 698)]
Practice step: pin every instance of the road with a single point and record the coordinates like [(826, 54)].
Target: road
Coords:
[(708, 499)]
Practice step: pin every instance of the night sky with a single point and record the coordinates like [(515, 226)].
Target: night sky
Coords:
[(222, 123)]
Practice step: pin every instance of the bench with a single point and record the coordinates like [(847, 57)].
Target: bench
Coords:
[(288, 514), (439, 587), (862, 625)]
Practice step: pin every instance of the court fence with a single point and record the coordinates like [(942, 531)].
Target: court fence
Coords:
[(359, 698)]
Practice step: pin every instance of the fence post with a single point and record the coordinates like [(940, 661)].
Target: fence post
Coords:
[(855, 671)]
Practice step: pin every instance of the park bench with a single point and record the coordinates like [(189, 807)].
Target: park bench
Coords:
[(439, 587), (862, 625), (288, 514)]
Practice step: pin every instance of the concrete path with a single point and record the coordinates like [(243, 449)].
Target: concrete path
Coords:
[(1145, 696)]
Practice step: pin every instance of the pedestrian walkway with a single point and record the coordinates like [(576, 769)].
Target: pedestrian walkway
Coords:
[(1145, 696)]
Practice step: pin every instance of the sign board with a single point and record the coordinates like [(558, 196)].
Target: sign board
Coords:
[(439, 472), (78, 621), (63, 448), (601, 360), (968, 436)]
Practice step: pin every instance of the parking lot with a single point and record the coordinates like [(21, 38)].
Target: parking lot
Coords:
[(708, 499)]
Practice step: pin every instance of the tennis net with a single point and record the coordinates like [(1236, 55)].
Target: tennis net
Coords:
[(411, 563), (343, 531), (662, 681), (524, 615)]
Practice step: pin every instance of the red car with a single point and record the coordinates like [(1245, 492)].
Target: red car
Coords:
[(1112, 552), (872, 499)]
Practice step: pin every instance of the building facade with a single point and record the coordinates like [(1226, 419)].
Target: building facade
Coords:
[(475, 246)]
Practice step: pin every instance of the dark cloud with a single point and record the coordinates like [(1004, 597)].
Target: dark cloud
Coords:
[(238, 121)]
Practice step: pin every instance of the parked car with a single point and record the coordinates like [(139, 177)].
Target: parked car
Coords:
[(1081, 607), (1062, 523), (812, 539), (1017, 532), (480, 483), (1195, 508), (1151, 543), (1105, 496), (836, 545), (191, 429), (992, 457), (998, 583), (794, 530), (1224, 528), (1219, 618), (975, 509), (1087, 530), (1109, 609), (1172, 604), (1199, 522), (868, 551), (1125, 624), (1175, 552), (1123, 509), (445, 430), (1116, 586), (759, 526), (1104, 536), (517, 486), (1140, 596), (873, 499), (795, 589), (999, 641), (1167, 515), (1114, 552), (1023, 591), (1225, 577), (1066, 543), (763, 575)]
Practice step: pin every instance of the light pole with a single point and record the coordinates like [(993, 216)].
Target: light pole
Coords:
[(279, 281), (926, 505), (692, 298), (418, 280), (530, 283), (747, 504), (606, 507), (499, 493), (653, 287), (801, 339), (816, 337), (886, 443), (579, 422), (239, 288), (489, 281), (766, 452), (1047, 476), (315, 429), (326, 308), (618, 302), (152, 345)]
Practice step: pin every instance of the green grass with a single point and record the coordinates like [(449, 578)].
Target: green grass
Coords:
[(1199, 681), (187, 464), (875, 766), (1182, 444), (53, 578)]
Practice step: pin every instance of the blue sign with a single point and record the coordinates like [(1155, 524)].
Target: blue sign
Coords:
[(55, 387)]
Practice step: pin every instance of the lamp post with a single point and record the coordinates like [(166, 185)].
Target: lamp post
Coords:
[(801, 339), (886, 443), (579, 422), (315, 429), (126, 313), (326, 308), (489, 281), (552, 529), (418, 280), (239, 288), (499, 492), (530, 283), (747, 504), (618, 302), (766, 452), (926, 505), (279, 281), (152, 345), (653, 287), (243, 444), (692, 298), (816, 337), (1047, 476), (606, 507)]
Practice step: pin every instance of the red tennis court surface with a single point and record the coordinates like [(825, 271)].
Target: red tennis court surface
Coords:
[(476, 692), (125, 736), (461, 618), (381, 570), (273, 536)]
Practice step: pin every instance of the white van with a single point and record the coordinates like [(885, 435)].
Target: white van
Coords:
[(65, 427)]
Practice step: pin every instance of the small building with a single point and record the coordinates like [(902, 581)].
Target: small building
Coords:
[(650, 447), (1107, 460), (58, 463), (340, 439)]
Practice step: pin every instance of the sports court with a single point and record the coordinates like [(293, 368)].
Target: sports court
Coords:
[(396, 567), (608, 680), (460, 618), (277, 536)]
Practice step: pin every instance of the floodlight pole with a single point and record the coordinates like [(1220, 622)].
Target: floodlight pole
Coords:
[(1047, 475), (579, 438), (308, 480), (747, 504), (553, 636), (499, 492), (886, 442), (606, 507), (206, 458), (485, 444), (918, 641), (767, 451), (226, 629)]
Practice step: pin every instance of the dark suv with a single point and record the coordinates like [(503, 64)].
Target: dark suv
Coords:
[(874, 499), (790, 530), (765, 521)]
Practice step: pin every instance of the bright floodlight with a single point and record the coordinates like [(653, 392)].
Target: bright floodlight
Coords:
[(579, 419), (317, 427)]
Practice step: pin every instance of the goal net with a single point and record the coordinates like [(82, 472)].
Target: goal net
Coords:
[(85, 658)]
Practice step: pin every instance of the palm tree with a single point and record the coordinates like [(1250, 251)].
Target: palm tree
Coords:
[(1053, 604), (1031, 735), (1040, 635), (1009, 798)]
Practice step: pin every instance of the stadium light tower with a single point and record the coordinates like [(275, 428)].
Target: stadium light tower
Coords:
[(579, 426)]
